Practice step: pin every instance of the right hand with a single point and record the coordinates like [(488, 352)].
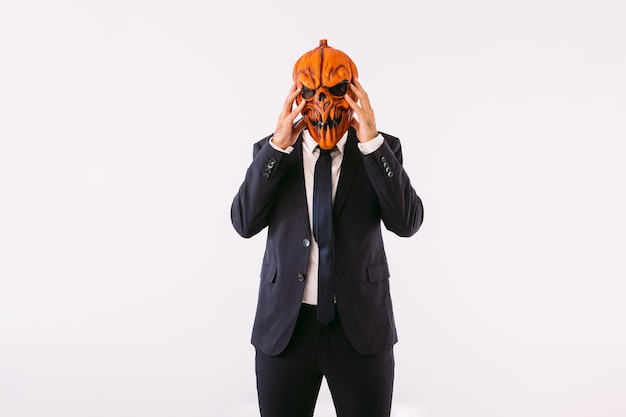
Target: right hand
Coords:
[(286, 133)]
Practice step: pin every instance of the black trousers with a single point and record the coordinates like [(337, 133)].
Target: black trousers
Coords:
[(288, 384)]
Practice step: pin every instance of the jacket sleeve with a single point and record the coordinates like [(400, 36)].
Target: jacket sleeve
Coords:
[(402, 211), (253, 202)]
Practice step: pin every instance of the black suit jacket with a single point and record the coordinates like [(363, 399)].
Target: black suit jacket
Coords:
[(372, 188)]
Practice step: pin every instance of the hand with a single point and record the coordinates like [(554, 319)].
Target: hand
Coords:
[(286, 133), (365, 124)]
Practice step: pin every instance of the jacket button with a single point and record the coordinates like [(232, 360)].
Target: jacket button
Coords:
[(383, 159), (300, 277), (306, 243)]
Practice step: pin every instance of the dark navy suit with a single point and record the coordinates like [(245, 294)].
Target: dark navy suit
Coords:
[(371, 188)]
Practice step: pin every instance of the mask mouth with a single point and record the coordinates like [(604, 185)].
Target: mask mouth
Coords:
[(327, 128), (329, 124)]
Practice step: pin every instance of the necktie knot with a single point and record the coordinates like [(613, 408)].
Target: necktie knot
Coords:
[(326, 152)]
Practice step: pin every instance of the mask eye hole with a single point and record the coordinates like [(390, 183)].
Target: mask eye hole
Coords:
[(340, 89), (307, 93)]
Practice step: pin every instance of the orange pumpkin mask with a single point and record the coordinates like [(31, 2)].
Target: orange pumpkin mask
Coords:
[(325, 75)]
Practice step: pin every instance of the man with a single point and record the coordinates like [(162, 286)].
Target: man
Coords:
[(322, 186)]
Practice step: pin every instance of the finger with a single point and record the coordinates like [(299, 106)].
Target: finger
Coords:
[(358, 110), (291, 97), (359, 86), (358, 90), (355, 123), (299, 127), (359, 93), (291, 91), (353, 104), (295, 112)]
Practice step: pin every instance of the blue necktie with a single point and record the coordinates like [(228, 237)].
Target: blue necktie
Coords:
[(324, 235)]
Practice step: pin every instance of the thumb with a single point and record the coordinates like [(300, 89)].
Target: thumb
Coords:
[(355, 123), (299, 126)]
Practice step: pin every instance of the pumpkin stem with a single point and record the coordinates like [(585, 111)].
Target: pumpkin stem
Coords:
[(323, 42)]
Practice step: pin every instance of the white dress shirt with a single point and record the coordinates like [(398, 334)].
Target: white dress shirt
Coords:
[(310, 153)]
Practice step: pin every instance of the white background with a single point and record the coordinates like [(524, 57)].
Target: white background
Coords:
[(126, 128)]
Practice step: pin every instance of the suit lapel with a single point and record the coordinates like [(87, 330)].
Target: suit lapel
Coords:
[(351, 162)]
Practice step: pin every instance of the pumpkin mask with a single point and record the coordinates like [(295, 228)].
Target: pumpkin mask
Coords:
[(325, 75)]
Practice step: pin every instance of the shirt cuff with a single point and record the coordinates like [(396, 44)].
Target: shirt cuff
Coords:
[(287, 151), (371, 146)]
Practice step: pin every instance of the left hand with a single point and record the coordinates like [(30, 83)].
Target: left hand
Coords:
[(365, 124)]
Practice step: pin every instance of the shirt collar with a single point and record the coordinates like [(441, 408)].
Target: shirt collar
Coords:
[(309, 144)]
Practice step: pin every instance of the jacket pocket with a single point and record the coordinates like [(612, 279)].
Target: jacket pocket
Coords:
[(378, 272), (268, 272)]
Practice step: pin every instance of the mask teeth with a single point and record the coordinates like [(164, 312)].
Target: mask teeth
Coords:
[(330, 124)]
